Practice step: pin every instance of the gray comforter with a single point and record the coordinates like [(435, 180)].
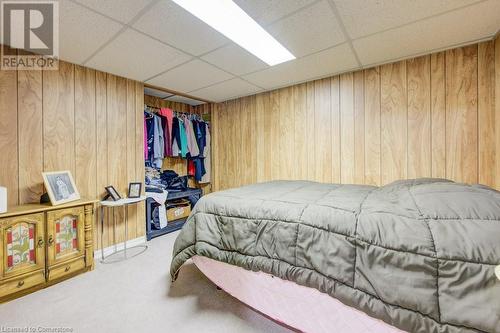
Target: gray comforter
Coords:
[(418, 254)]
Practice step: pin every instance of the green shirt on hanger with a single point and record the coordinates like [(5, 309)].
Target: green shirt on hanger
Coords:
[(184, 144)]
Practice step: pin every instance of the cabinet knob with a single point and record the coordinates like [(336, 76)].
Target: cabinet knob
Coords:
[(40, 242), (51, 240), (20, 284), (67, 268)]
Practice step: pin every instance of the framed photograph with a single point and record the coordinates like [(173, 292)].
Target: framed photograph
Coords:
[(113, 193), (134, 190), (60, 187)]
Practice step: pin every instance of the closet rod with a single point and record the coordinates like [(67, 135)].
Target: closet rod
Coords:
[(146, 85), (178, 112)]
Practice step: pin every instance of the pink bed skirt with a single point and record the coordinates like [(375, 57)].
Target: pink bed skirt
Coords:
[(302, 308)]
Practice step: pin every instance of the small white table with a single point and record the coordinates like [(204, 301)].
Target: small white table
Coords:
[(125, 202)]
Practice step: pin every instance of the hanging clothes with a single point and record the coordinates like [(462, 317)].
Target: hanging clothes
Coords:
[(183, 139), (150, 135), (197, 163), (176, 137), (206, 154), (168, 116), (158, 143), (199, 168), (191, 168), (145, 134), (166, 133), (198, 134), (169, 133), (191, 138)]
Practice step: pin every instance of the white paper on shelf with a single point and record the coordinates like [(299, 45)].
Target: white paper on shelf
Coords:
[(3, 199)]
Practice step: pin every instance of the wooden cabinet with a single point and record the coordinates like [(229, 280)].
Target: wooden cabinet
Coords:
[(21, 283), (65, 235), (23, 245), (65, 268), (41, 245)]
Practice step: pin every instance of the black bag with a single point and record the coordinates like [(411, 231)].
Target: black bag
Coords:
[(179, 183), (168, 175), (174, 182)]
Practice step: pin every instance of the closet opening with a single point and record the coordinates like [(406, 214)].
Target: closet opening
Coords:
[(177, 158)]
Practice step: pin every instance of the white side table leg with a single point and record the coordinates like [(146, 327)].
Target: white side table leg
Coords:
[(102, 233), (126, 229), (125, 203)]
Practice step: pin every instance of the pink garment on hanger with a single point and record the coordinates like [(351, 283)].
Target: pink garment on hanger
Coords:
[(169, 115)]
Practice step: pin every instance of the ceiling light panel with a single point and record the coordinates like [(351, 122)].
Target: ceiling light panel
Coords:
[(231, 21)]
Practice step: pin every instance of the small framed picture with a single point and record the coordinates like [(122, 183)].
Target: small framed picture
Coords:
[(134, 190), (60, 187), (113, 193)]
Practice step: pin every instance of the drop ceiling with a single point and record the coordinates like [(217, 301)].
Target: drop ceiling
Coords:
[(158, 42), (171, 97)]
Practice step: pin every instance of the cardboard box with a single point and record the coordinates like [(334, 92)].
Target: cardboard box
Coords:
[(180, 209)]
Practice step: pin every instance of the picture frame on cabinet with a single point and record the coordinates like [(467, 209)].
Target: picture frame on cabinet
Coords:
[(60, 187)]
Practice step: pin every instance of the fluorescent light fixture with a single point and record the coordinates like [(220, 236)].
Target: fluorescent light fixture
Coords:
[(231, 21)]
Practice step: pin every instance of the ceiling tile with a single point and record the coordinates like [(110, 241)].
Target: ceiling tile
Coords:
[(155, 93), (136, 56), (331, 61), (235, 59), (267, 11), (447, 30), (82, 32), (227, 90), (193, 75), (172, 24), (362, 18), (121, 10), (185, 100), (310, 30)]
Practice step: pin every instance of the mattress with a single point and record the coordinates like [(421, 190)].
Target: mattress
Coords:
[(302, 308), (418, 254)]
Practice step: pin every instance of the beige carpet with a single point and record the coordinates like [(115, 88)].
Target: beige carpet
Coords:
[(136, 296)]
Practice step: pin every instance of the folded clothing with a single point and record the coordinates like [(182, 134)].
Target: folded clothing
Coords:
[(154, 189)]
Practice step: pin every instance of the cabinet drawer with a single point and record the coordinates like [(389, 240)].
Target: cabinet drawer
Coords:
[(66, 268), (19, 283)]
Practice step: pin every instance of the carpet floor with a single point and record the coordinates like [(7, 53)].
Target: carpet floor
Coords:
[(135, 296)]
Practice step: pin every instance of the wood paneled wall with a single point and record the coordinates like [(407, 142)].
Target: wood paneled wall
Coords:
[(161, 103), (432, 116), (496, 116), (76, 119)]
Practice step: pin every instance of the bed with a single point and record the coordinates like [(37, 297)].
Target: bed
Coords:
[(301, 308), (419, 255)]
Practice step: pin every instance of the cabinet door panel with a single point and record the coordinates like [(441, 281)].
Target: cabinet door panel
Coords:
[(22, 244), (65, 234)]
